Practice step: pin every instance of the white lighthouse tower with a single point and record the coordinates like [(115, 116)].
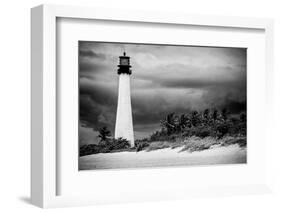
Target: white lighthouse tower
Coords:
[(124, 121)]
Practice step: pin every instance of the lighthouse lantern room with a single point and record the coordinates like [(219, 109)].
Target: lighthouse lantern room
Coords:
[(124, 65)]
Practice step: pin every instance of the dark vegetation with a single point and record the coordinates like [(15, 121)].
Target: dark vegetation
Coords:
[(106, 144), (195, 131)]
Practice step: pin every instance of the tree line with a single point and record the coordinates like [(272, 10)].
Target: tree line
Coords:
[(176, 127), (201, 124)]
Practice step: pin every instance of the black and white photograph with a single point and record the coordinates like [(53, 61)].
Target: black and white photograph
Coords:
[(156, 105)]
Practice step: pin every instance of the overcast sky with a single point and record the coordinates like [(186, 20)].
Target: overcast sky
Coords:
[(164, 79)]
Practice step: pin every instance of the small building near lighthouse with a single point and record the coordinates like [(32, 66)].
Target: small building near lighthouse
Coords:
[(124, 120)]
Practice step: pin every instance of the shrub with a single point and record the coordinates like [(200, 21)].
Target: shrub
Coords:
[(202, 131), (104, 146), (89, 149), (119, 143), (193, 143), (163, 136), (222, 129), (242, 142), (140, 145), (158, 145)]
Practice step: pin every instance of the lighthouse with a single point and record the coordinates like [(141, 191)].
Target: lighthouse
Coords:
[(124, 120)]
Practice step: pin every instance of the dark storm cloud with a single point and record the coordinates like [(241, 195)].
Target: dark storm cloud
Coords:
[(194, 83), (95, 115), (87, 70), (97, 105), (99, 92), (142, 116), (91, 54), (165, 79)]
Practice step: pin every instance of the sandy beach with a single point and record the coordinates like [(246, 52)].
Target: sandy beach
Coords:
[(232, 154)]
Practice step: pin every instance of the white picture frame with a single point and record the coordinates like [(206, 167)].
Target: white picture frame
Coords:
[(44, 154)]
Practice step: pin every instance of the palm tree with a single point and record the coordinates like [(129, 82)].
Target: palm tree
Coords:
[(206, 116), (183, 122), (215, 115), (104, 133), (224, 114), (169, 123), (195, 118)]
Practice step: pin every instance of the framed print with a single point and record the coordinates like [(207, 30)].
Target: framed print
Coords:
[(148, 105)]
